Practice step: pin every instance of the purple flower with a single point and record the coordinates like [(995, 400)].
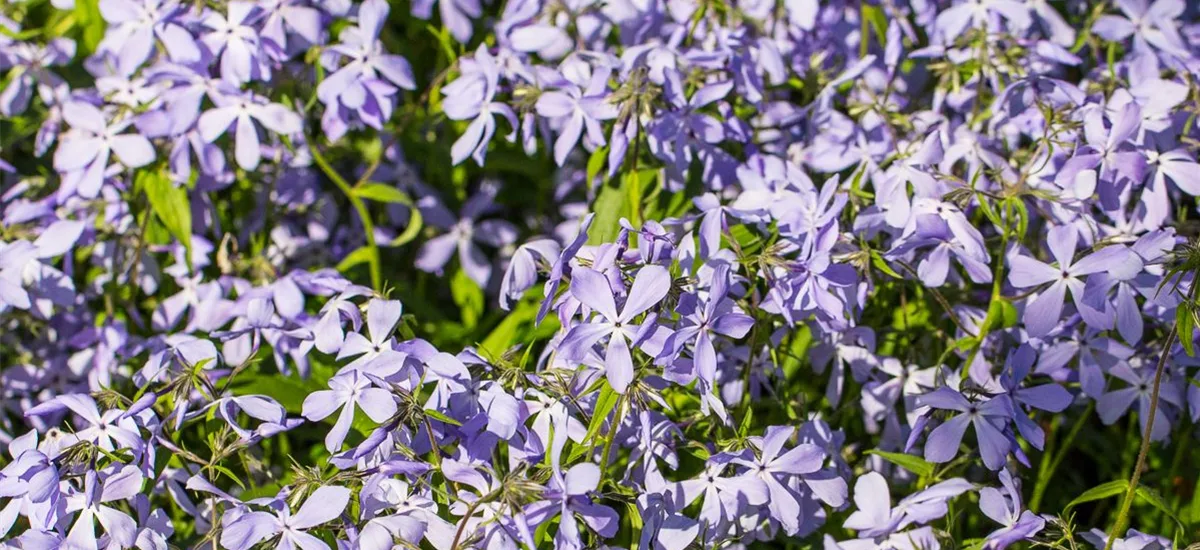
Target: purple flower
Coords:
[(137, 24), (472, 96), (234, 39), (243, 111), (367, 83), (702, 322), (875, 516), (1149, 25), (120, 483), (456, 15), (952, 22), (989, 417), (294, 15), (566, 496), (1047, 397), (31, 67), (776, 469), (82, 154), (109, 430), (522, 270), (1044, 312), (463, 234), (593, 289), (723, 496), (347, 390), (1107, 149), (1004, 507), (1115, 403), (675, 135), (562, 266), (248, 529), (578, 105)]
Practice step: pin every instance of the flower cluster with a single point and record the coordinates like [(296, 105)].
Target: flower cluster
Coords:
[(583, 274)]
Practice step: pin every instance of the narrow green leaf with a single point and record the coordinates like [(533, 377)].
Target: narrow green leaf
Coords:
[(170, 203), (882, 265), (595, 164), (359, 256), (1099, 492), (1156, 500), (1185, 323), (988, 210), (747, 422), (914, 464), (604, 405), (1194, 509), (612, 203), (1023, 215), (229, 474), (415, 223), (288, 391), (878, 20), (468, 297), (91, 25), (514, 329), (380, 192), (436, 415)]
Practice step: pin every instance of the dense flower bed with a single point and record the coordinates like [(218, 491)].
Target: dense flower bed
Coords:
[(583, 274)]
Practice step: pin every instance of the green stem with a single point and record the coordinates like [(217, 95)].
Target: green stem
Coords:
[(436, 457), (1046, 471), (864, 31), (618, 415), (360, 207), (1181, 450), (1135, 477), (467, 516)]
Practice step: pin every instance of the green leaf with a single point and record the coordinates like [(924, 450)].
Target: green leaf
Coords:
[(914, 464), (517, 322), (604, 405), (1194, 511), (1023, 215), (613, 203), (747, 422), (746, 239), (988, 210), (1185, 323), (436, 415), (468, 297), (1001, 314), (288, 391), (596, 164), (882, 265), (443, 37), (91, 25), (1099, 492), (966, 343), (1008, 313), (415, 223), (170, 203), (380, 192), (360, 256), (1156, 500), (875, 16), (229, 474)]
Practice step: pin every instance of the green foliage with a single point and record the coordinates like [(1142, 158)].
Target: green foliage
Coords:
[(468, 297), (909, 462), (170, 204)]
